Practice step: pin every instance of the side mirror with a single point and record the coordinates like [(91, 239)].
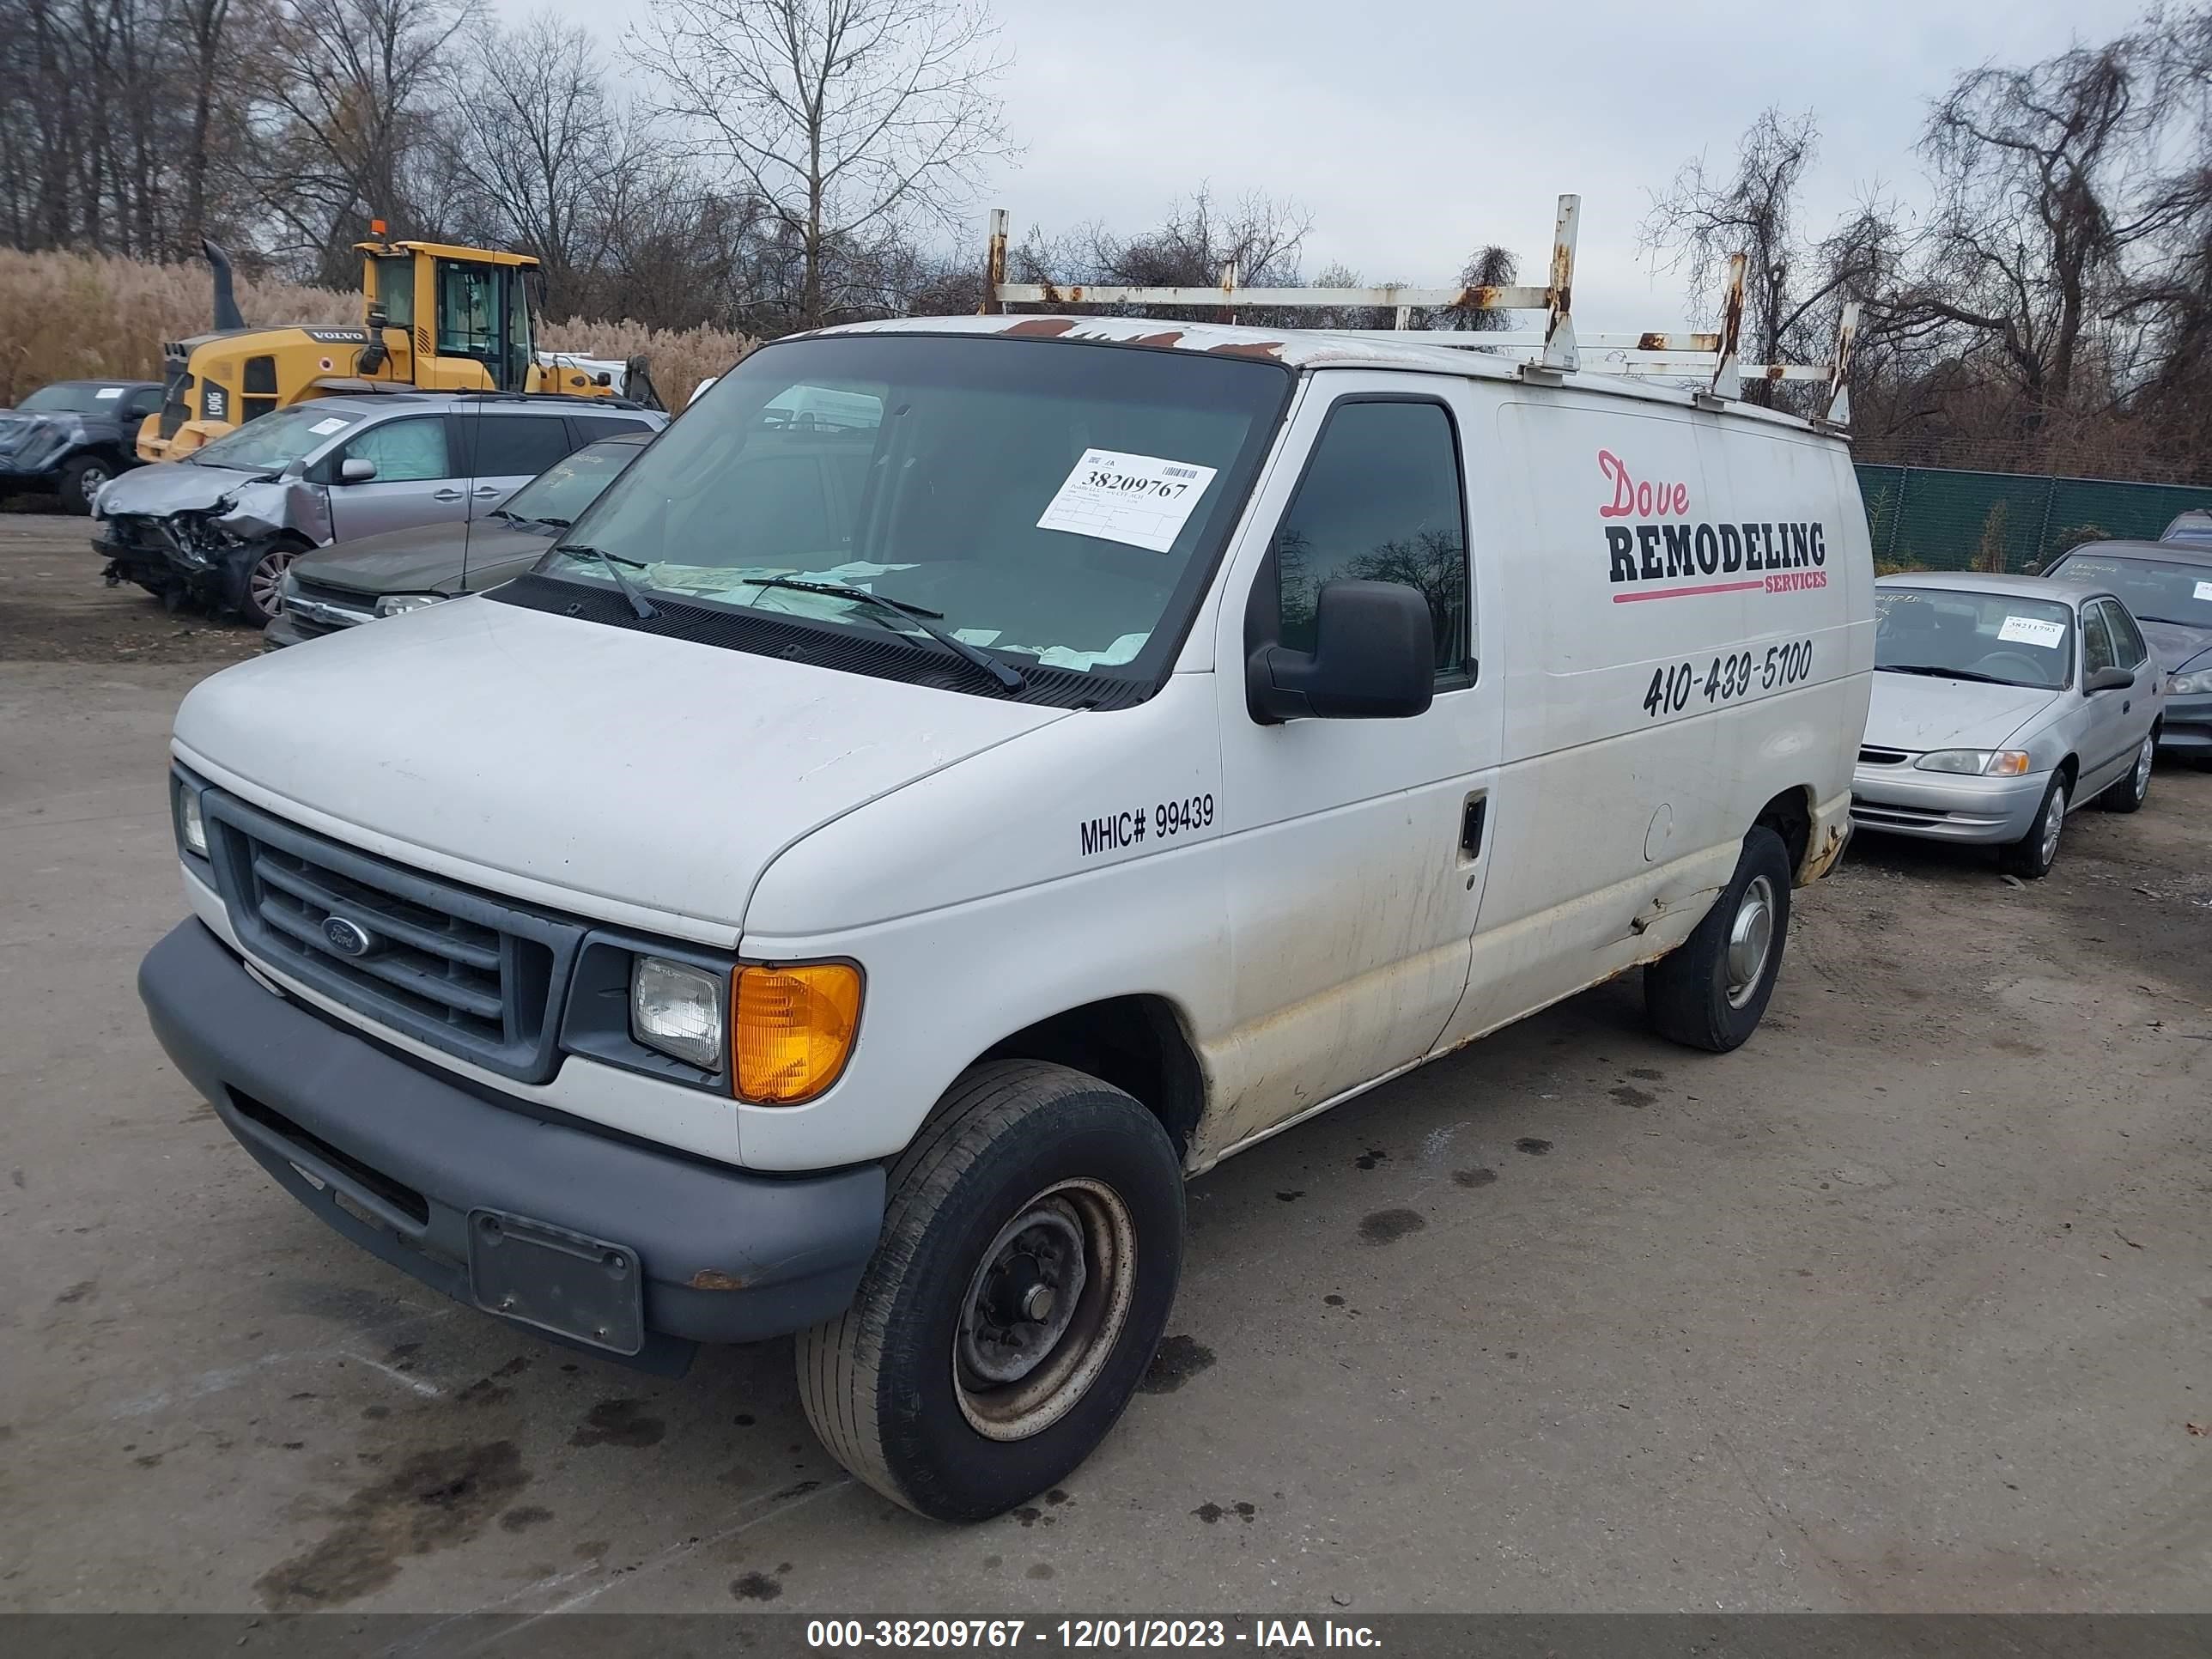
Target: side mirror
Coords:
[(356, 469), (2109, 679), (1374, 657), (603, 379)]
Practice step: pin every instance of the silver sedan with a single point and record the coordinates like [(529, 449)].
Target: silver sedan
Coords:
[(2001, 703)]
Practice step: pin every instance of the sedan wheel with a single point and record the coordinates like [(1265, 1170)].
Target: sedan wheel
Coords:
[(265, 584), (2034, 853), (2129, 793)]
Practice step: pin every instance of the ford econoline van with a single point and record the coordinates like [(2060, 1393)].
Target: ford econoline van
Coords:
[(858, 876)]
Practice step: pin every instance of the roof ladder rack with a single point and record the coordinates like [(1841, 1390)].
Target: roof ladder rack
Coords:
[(1556, 350)]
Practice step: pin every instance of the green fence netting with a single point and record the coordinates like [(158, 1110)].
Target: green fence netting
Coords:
[(1934, 518)]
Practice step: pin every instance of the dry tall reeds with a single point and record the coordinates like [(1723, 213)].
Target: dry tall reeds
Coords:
[(77, 316)]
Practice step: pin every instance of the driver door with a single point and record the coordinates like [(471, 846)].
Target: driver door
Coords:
[(1354, 848), (416, 482)]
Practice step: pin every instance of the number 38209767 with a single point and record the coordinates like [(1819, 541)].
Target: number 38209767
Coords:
[(1728, 678)]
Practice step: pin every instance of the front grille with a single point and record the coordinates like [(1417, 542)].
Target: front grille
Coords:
[(1912, 818), (446, 964), (1872, 756), (315, 608)]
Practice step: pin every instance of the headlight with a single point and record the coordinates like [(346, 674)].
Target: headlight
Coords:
[(677, 1009), (1977, 763), (2189, 684), (795, 1030), (191, 831), (392, 604)]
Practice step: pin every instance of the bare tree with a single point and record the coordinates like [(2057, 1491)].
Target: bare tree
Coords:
[(848, 118), (351, 99)]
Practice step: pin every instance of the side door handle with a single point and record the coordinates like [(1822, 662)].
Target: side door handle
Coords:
[(445, 495), (485, 492), (1471, 825)]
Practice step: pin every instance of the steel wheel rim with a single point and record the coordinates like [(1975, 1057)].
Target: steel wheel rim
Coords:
[(265, 586), (2142, 766), (1751, 940), (2054, 824), (1016, 1376)]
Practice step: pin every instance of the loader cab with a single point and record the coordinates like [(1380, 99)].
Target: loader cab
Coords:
[(452, 319)]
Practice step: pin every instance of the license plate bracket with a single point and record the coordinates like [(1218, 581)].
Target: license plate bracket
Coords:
[(588, 1290)]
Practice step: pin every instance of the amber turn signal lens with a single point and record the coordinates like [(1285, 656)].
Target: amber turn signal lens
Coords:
[(794, 1030)]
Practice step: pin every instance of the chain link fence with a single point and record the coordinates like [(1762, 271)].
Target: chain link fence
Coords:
[(1926, 518)]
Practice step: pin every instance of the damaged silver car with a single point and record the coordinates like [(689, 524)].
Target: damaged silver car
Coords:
[(221, 527)]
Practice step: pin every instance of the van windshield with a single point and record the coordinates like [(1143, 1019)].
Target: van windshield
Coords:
[(273, 443), (1058, 505)]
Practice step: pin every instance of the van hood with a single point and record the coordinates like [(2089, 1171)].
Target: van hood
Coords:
[(612, 772), (428, 560), (1918, 713)]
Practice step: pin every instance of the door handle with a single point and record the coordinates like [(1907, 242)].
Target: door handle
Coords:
[(485, 492), (1471, 823), (445, 495)]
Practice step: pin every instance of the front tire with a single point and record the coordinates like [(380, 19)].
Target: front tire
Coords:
[(1031, 1246), (257, 585), (1711, 991), (80, 480), (2032, 856)]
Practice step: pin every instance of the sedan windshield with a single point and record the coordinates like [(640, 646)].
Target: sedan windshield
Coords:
[(564, 489), (2156, 590), (274, 441), (78, 399), (1953, 633), (1056, 504)]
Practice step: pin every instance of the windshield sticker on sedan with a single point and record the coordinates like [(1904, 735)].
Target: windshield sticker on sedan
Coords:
[(1141, 500), (323, 429), (2032, 630), (2204, 590)]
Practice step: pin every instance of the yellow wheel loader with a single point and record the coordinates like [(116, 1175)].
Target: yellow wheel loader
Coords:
[(435, 317)]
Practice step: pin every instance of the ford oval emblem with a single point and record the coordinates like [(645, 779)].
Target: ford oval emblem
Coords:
[(348, 939)]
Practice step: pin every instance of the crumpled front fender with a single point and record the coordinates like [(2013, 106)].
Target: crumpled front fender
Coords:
[(256, 510)]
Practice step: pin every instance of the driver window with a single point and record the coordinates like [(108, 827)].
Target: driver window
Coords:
[(2096, 641), (404, 451), (1380, 502)]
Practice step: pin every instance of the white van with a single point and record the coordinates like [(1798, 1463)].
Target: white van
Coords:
[(851, 885)]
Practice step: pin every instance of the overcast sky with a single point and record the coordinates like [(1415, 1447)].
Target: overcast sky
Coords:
[(1412, 133)]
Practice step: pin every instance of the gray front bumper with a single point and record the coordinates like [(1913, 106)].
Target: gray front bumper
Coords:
[(2188, 728), (726, 1256), (1904, 800)]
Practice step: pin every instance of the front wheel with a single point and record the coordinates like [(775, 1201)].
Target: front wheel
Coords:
[(1711, 991), (1032, 1242), (80, 480), (257, 588), (2034, 853)]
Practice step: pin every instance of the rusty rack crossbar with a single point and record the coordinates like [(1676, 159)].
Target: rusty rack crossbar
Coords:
[(1713, 358)]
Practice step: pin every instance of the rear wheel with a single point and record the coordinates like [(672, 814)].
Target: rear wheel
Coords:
[(1031, 1245), (80, 480), (2129, 794), (1711, 991), (2034, 853)]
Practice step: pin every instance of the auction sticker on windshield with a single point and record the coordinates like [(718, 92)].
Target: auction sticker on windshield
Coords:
[(2204, 590), (2030, 630), (323, 429), (1139, 499)]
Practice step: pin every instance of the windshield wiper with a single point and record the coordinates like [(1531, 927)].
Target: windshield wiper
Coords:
[(614, 561), (523, 520), (1944, 673), (2170, 622), (922, 617)]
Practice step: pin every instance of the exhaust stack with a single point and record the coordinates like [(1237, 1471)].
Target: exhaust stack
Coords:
[(226, 301)]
